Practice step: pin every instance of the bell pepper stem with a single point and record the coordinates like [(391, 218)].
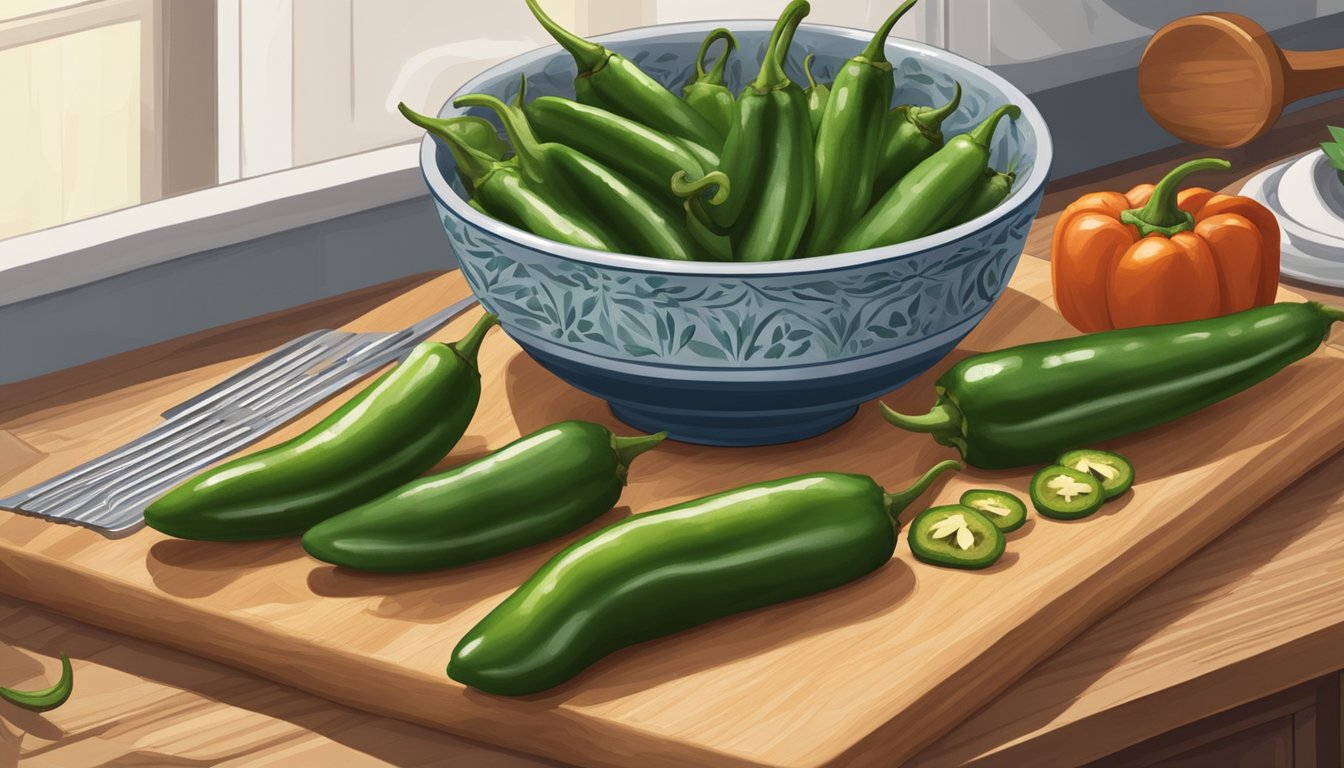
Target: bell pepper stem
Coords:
[(1161, 216), (876, 52), (683, 186), (897, 502), (772, 75), (588, 55), (474, 165), (46, 699), (983, 132), (469, 346), (628, 448), (715, 75)]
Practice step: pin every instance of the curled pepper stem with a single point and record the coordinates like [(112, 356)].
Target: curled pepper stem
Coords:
[(772, 75), (589, 56), (983, 132), (475, 165), (629, 448), (469, 346), (929, 120), (876, 52), (46, 699), (897, 502), (683, 186), (1161, 215), (715, 75)]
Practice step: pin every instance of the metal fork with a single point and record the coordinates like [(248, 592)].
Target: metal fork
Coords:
[(110, 493)]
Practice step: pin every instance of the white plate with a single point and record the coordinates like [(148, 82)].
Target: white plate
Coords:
[(1291, 190)]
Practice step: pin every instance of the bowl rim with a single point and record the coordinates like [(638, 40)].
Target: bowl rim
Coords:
[(443, 192)]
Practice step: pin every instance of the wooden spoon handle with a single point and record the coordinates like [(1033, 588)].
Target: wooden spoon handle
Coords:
[(1311, 73)]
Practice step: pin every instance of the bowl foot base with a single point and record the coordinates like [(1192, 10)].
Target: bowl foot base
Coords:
[(735, 429)]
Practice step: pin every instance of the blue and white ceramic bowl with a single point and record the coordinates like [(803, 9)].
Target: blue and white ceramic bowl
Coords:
[(748, 354)]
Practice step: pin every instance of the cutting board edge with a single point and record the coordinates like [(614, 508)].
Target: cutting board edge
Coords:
[(277, 657), (916, 719)]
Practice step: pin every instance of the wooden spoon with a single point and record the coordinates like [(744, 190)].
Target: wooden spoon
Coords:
[(1217, 79)]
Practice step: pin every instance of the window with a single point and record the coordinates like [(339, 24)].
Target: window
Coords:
[(121, 102), (87, 96)]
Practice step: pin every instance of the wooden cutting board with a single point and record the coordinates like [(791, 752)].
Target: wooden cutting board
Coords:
[(866, 674)]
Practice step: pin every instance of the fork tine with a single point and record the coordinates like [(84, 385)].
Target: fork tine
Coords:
[(111, 491), (86, 479), (169, 453), (239, 379), (282, 373), (134, 453), (169, 467)]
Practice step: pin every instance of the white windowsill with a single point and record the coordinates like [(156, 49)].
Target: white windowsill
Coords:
[(82, 252)]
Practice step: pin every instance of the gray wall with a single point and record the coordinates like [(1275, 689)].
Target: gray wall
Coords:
[(1100, 120), (220, 286)]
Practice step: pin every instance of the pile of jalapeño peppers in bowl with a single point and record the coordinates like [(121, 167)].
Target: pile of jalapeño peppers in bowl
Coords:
[(353, 486), (774, 172)]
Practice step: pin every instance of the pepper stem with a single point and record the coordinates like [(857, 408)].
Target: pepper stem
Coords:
[(898, 501), (930, 119), (629, 448), (983, 132), (714, 76), (468, 347), (1333, 314), (682, 186), (525, 142), (876, 52), (807, 70), (1161, 215), (772, 73), (940, 418), (46, 699), (588, 55), (474, 164)]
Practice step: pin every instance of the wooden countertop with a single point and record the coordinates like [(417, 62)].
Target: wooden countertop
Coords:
[(1259, 610)]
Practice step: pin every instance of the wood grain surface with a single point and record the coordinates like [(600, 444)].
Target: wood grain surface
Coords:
[(864, 675), (143, 705), (1180, 648)]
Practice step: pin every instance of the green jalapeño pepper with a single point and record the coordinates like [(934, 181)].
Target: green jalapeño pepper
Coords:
[(396, 428), (911, 135), (46, 699), (501, 191), (992, 189), (642, 154), (707, 93), (641, 224), (916, 205), (817, 94), (768, 157), (1028, 404), (462, 135), (574, 472), (614, 83), (660, 572), (849, 139)]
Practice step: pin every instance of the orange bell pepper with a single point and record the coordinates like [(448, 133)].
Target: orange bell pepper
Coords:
[(1153, 256)]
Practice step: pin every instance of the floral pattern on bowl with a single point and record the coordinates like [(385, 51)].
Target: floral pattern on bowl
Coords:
[(787, 349)]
